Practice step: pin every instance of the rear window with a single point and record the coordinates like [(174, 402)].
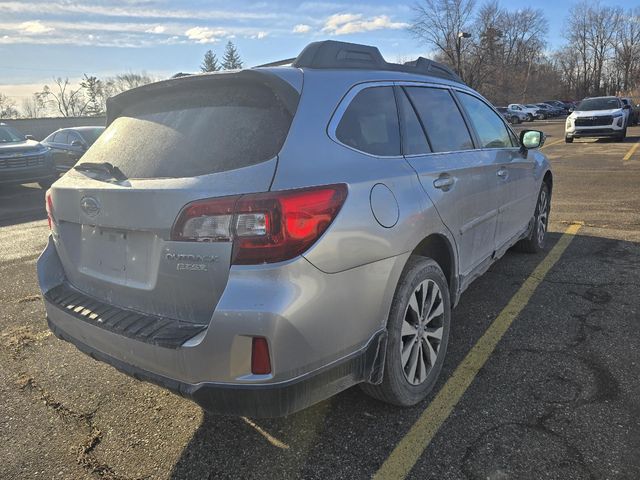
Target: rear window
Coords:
[(370, 123), (184, 131)]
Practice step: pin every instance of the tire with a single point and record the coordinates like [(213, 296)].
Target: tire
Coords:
[(404, 384), (46, 184), (534, 243), (622, 136), (515, 120), (529, 117), (542, 116), (568, 139)]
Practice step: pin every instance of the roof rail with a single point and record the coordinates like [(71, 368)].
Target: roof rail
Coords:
[(279, 63), (332, 54)]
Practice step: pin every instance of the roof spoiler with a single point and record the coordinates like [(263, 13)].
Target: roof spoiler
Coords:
[(331, 54)]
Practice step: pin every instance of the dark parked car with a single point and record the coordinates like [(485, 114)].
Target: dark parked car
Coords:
[(561, 106), (23, 160), (550, 111), (69, 144), (634, 111)]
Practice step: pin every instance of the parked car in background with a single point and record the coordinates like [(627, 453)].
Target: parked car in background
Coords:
[(513, 116), (24, 160), (563, 108), (531, 113), (259, 277), (598, 117), (549, 111), (634, 110), (541, 113), (69, 144)]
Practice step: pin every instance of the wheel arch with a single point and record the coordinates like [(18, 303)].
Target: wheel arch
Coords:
[(439, 248)]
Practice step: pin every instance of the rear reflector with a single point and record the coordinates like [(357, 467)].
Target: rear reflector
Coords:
[(260, 362), (264, 227)]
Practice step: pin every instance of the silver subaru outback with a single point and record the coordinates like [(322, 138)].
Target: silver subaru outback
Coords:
[(260, 240)]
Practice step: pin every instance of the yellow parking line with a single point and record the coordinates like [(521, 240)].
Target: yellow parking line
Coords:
[(631, 151), (553, 143), (412, 445)]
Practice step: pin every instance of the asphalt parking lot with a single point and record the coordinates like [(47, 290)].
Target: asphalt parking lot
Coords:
[(557, 398)]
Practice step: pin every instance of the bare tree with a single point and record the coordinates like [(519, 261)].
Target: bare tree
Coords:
[(7, 107), (627, 50), (69, 102), (438, 24), (33, 106)]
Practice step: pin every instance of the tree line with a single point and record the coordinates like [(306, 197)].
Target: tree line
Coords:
[(89, 97), (504, 53)]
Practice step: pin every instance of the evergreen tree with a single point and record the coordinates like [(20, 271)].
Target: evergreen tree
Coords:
[(231, 59), (94, 92), (210, 62)]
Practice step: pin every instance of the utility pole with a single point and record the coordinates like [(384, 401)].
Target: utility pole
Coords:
[(459, 38)]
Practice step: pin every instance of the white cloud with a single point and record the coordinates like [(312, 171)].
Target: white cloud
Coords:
[(116, 9), (205, 34), (301, 28), (259, 35), (34, 27), (346, 23), (157, 29)]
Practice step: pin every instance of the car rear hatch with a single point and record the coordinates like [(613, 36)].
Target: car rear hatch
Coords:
[(166, 145)]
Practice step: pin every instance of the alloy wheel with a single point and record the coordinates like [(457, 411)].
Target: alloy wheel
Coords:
[(543, 216), (422, 329)]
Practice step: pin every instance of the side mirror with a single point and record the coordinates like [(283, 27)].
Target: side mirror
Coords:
[(530, 139), (29, 137), (626, 107), (78, 143)]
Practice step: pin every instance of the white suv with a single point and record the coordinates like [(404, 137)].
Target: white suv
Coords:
[(530, 112), (598, 117)]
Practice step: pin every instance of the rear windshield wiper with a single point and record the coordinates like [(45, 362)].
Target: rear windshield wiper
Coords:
[(104, 167)]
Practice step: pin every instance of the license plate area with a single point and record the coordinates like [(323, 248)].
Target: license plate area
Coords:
[(104, 252)]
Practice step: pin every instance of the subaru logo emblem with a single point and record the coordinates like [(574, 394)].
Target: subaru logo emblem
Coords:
[(90, 206)]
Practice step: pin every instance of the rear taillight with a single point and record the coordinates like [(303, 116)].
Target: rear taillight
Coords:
[(264, 227), (49, 207)]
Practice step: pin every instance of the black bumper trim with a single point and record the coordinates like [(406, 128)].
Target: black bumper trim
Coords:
[(164, 332), (262, 400)]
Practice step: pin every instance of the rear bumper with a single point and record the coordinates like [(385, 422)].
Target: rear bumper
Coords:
[(321, 329), (266, 400)]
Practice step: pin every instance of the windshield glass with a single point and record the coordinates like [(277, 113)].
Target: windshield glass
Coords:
[(10, 135), (90, 135), (599, 104), (190, 132)]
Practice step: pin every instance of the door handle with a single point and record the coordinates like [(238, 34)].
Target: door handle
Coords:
[(445, 182), (503, 173)]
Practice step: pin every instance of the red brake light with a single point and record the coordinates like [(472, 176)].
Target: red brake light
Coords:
[(265, 227), (260, 362), (49, 208)]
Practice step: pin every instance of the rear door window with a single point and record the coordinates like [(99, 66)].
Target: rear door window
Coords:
[(414, 141), (491, 130), (442, 120), (370, 123), (185, 131)]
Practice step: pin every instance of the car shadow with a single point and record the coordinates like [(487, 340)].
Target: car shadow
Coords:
[(351, 434), (21, 203)]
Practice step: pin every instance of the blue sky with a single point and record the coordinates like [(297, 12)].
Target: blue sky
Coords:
[(41, 39)]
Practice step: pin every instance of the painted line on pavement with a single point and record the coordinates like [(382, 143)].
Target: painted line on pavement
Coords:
[(631, 151), (552, 143), (417, 439)]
